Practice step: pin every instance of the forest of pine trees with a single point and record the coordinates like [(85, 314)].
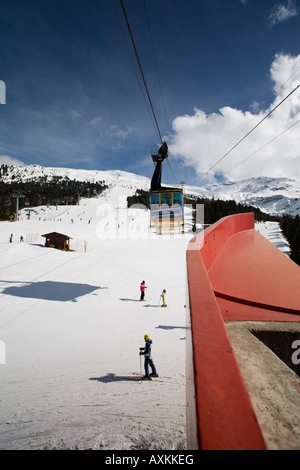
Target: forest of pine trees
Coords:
[(58, 190), (290, 227), (215, 209)]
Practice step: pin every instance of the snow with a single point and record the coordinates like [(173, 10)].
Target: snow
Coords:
[(271, 195), (71, 324), (272, 232)]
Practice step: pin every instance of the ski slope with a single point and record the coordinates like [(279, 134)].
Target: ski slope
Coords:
[(71, 325)]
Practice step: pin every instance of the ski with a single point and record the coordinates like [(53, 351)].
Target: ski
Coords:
[(153, 379)]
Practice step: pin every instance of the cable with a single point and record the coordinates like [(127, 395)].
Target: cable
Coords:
[(263, 106), (256, 151), (155, 61), (141, 70), (132, 63), (156, 126), (159, 82), (241, 140)]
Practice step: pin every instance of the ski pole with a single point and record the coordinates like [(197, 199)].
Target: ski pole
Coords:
[(140, 365)]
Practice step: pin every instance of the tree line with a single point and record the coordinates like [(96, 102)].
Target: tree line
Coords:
[(290, 227), (58, 190), (215, 209)]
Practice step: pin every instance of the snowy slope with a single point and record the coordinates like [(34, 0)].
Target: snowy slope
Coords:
[(271, 195), (117, 178), (71, 324)]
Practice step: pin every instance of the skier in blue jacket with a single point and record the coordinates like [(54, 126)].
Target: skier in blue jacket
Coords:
[(147, 352)]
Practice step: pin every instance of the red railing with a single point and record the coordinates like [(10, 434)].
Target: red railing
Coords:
[(220, 414)]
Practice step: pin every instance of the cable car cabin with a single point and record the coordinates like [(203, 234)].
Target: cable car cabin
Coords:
[(166, 207), (166, 204), (57, 240)]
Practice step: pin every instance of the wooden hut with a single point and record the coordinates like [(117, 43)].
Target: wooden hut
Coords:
[(57, 240)]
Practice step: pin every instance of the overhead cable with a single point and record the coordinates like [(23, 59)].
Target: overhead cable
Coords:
[(243, 138), (262, 107), (154, 122), (133, 65), (258, 150), (140, 66), (156, 66)]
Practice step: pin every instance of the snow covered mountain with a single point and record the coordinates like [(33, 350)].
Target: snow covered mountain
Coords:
[(271, 195)]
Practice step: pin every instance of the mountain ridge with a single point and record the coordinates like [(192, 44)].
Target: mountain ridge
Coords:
[(271, 195)]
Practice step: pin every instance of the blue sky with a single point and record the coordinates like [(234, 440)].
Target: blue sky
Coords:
[(73, 99)]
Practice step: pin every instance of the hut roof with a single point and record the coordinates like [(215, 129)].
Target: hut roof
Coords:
[(57, 235)]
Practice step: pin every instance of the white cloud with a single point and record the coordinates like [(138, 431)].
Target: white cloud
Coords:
[(111, 130), (116, 131), (97, 121), (283, 12), (7, 160), (201, 140)]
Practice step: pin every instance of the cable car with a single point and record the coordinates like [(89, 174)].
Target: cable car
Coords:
[(166, 203)]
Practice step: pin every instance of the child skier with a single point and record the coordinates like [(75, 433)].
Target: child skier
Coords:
[(142, 289), (147, 352), (163, 295)]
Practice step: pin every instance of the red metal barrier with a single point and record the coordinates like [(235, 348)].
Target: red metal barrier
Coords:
[(251, 271), (234, 273), (218, 234), (225, 418)]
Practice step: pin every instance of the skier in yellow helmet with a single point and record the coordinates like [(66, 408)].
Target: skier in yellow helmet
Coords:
[(147, 352)]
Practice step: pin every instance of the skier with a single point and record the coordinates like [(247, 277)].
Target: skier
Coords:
[(142, 289), (163, 294), (147, 352)]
